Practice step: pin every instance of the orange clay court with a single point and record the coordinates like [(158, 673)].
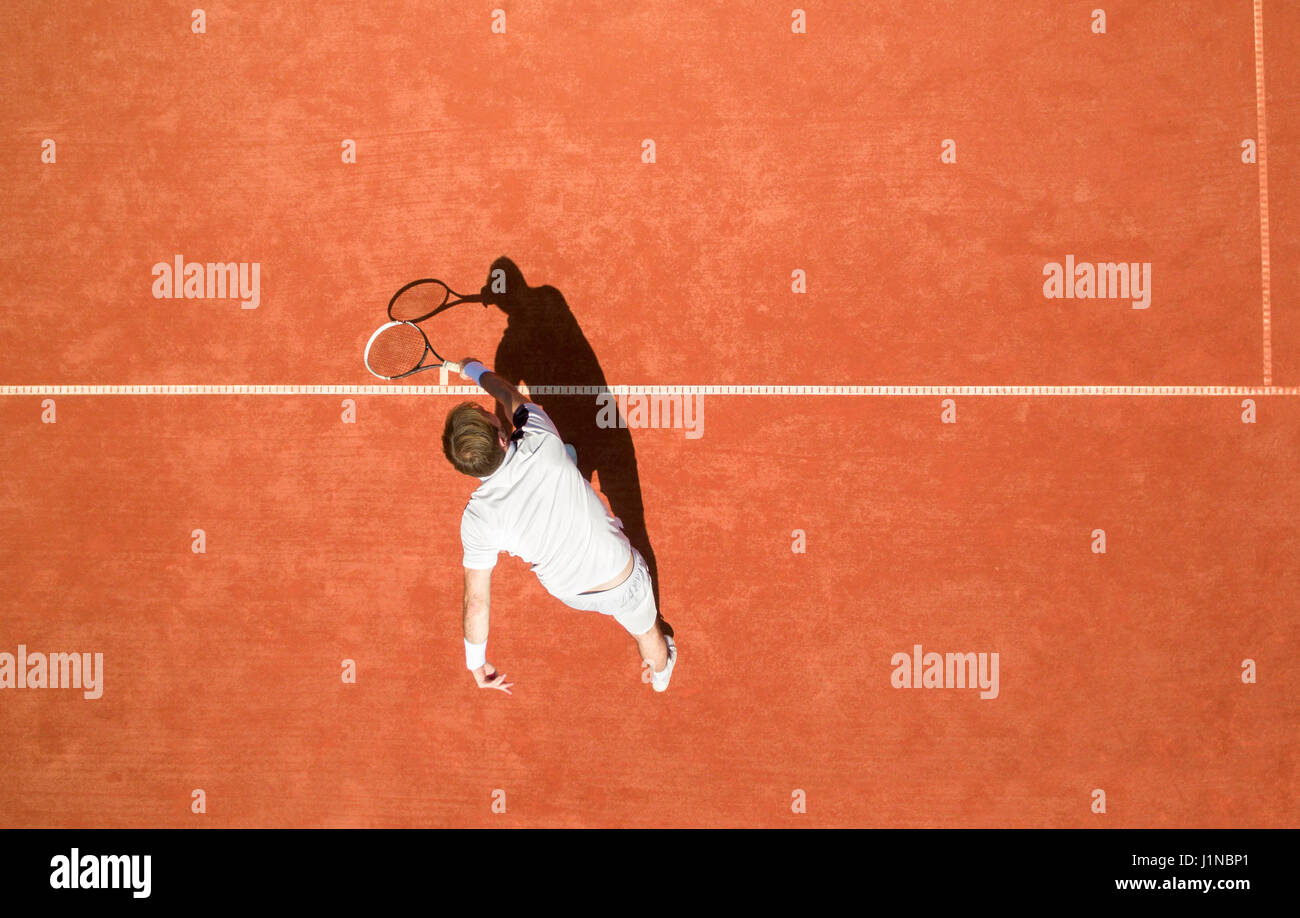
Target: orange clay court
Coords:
[(840, 225)]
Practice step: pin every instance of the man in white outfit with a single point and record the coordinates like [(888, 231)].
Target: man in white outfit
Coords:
[(534, 503)]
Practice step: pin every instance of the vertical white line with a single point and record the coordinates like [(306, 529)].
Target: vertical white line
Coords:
[(1262, 149)]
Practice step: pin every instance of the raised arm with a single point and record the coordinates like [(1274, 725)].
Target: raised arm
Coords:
[(510, 397)]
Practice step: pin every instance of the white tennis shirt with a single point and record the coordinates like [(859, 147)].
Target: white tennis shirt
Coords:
[(537, 506)]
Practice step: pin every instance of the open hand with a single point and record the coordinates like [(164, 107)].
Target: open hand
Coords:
[(487, 677)]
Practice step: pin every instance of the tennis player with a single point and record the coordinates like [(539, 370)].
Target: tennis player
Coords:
[(534, 503)]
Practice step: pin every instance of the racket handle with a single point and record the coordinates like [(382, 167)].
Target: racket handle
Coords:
[(452, 366)]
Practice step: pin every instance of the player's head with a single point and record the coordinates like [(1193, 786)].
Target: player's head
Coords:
[(474, 440)]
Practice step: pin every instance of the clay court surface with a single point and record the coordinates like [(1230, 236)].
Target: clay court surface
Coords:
[(774, 152)]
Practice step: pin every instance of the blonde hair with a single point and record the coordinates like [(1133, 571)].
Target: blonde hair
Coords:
[(470, 441)]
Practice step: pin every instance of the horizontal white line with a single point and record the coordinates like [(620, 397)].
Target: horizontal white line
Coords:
[(462, 390)]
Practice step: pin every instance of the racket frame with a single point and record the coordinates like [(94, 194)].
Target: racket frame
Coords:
[(428, 349)]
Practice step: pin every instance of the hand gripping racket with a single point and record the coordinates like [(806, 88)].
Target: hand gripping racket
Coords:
[(401, 346)]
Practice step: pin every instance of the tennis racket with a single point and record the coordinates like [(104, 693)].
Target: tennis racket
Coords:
[(399, 349), (402, 346)]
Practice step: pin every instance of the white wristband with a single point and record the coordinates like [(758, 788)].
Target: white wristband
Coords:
[(475, 654), (474, 370)]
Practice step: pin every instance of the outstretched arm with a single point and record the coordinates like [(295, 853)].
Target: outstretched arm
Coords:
[(510, 397), (477, 605)]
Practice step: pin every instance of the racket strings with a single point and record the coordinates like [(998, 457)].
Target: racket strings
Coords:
[(396, 350)]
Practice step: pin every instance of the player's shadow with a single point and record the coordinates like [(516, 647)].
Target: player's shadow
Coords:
[(544, 345)]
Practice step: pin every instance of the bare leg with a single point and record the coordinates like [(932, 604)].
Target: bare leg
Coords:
[(653, 647)]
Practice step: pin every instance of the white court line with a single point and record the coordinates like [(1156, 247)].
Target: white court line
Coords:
[(463, 390), (1262, 157)]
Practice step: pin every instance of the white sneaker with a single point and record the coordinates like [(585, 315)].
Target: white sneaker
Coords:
[(660, 679)]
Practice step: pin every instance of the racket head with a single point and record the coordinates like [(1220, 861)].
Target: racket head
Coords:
[(398, 349)]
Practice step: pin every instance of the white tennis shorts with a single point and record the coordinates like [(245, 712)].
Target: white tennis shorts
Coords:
[(632, 602)]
